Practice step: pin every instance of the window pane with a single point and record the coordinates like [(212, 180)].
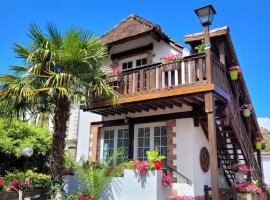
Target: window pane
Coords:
[(144, 61), (157, 141), (140, 142), (122, 144), (157, 131), (160, 141), (147, 132), (130, 64), (143, 142), (141, 132), (108, 144), (138, 62), (124, 66)]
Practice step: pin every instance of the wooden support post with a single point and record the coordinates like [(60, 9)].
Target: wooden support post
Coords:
[(208, 60), (222, 52), (210, 110), (131, 141), (259, 158)]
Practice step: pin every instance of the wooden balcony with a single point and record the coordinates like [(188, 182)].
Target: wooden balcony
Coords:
[(185, 80)]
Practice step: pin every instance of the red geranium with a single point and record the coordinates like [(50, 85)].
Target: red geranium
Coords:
[(158, 164), (15, 184), (2, 182), (86, 198)]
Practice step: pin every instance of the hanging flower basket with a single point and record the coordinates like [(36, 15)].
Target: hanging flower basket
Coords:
[(259, 142), (234, 71), (246, 109), (246, 112), (258, 145)]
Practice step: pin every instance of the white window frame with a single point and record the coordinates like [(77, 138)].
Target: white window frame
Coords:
[(151, 126), (115, 129), (133, 60)]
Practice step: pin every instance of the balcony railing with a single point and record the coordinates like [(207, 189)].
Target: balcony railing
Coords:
[(157, 77)]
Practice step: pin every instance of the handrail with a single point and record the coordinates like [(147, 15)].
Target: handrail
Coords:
[(172, 169), (234, 113)]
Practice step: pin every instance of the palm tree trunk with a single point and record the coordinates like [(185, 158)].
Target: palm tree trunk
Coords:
[(60, 119)]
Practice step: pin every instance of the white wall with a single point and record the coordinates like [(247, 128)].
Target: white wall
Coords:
[(189, 142), (133, 187), (266, 168), (84, 121), (160, 49)]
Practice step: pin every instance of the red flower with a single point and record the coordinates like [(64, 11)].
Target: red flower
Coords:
[(86, 198), (2, 182), (27, 182), (15, 184), (158, 164)]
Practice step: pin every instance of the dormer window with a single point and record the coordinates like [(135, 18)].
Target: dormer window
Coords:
[(127, 65), (141, 62)]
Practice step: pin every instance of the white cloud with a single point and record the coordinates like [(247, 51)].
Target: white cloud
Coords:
[(264, 122)]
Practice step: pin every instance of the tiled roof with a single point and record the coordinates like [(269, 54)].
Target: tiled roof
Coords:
[(264, 130), (134, 26)]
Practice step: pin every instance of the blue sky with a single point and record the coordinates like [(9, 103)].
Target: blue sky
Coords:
[(249, 22)]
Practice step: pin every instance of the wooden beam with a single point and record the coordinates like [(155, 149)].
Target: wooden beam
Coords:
[(131, 141), (169, 93), (212, 137), (153, 118), (131, 52)]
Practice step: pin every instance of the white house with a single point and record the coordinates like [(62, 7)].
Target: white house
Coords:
[(187, 109)]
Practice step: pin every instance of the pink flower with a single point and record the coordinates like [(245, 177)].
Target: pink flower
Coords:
[(171, 58), (27, 182), (140, 166), (166, 180), (15, 184), (117, 70)]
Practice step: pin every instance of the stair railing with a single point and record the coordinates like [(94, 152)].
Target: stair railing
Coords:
[(181, 175)]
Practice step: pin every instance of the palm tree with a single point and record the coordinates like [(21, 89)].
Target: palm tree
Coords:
[(59, 69)]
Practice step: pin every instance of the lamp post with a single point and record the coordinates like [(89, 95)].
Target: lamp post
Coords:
[(27, 152), (206, 15)]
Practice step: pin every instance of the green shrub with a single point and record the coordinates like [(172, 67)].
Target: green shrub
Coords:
[(14, 137), (37, 180)]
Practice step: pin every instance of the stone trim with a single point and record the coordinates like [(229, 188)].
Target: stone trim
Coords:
[(94, 143), (171, 156)]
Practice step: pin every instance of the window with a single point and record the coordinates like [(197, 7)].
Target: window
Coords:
[(108, 144), (160, 141), (113, 140), (149, 138), (143, 142), (122, 143), (127, 65), (141, 62)]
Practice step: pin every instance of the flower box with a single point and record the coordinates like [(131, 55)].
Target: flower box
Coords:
[(247, 196), (239, 177)]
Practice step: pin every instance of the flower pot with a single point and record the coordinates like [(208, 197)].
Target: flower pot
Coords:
[(234, 75), (239, 177), (246, 112), (258, 145)]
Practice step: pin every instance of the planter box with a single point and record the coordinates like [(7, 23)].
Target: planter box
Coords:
[(71, 184), (133, 187), (247, 196), (12, 195)]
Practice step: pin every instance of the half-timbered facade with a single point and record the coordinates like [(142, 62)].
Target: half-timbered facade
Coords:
[(188, 109)]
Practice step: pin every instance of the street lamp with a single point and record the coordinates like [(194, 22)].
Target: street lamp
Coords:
[(28, 152), (206, 14)]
